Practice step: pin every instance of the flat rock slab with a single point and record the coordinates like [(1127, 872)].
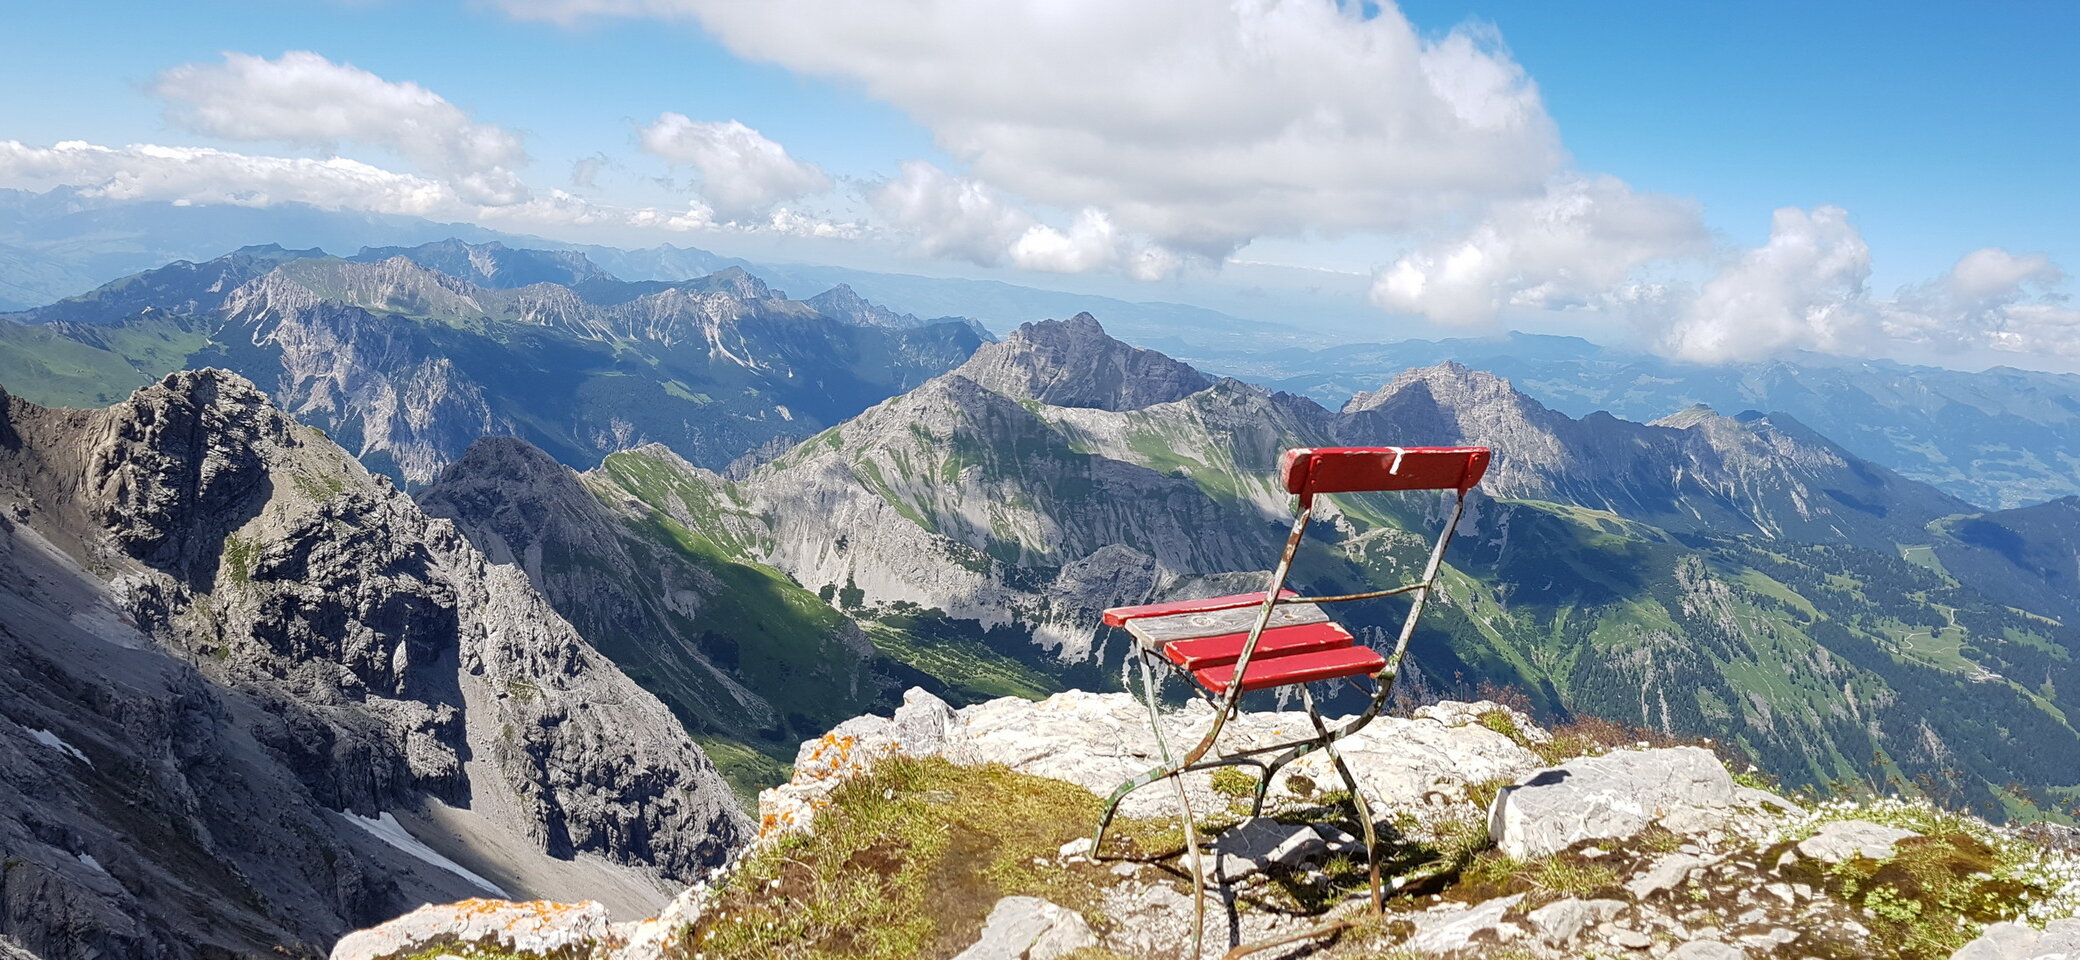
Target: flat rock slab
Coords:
[(1457, 932), (2059, 940), (1613, 797), (1845, 840), (536, 927), (1029, 928)]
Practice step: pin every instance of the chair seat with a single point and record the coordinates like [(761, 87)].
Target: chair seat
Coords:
[(1226, 648), (1119, 616), (1306, 666)]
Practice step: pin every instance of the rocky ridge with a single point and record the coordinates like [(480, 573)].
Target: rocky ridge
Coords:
[(1624, 852), (258, 697)]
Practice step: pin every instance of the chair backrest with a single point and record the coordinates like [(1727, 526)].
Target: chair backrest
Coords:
[(1311, 470)]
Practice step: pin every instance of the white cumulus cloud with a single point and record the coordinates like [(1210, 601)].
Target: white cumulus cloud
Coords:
[(304, 99), (1568, 246), (743, 174), (1198, 126), (950, 216), (1804, 288)]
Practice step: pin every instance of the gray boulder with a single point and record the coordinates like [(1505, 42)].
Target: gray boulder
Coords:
[(1613, 797), (1029, 928), (2012, 941)]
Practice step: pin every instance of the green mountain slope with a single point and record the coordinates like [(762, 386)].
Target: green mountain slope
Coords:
[(1736, 578)]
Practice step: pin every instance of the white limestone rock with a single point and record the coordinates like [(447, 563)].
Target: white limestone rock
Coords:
[(1613, 797), (1845, 840)]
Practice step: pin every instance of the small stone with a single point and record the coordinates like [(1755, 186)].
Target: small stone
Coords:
[(1667, 874), (1559, 923), (1632, 939), (1706, 950), (1781, 891), (1259, 842), (1077, 849), (1029, 928)]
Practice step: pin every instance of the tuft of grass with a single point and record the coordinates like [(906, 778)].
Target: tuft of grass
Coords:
[(1229, 781), (1501, 722)]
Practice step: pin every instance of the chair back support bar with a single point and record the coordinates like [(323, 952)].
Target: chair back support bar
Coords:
[(1311, 470)]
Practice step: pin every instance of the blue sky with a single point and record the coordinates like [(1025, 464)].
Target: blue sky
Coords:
[(1614, 170)]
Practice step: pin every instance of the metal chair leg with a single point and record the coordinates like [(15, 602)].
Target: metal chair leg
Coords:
[(1364, 808)]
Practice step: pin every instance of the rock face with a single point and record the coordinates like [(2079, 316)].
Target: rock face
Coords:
[(256, 697), (1073, 363), (1615, 797), (736, 650)]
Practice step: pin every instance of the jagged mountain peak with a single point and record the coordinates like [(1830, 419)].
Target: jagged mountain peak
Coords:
[(492, 265), (1450, 383), (740, 283), (1075, 363)]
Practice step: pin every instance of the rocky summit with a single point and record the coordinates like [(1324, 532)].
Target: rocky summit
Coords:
[(253, 697), (965, 833)]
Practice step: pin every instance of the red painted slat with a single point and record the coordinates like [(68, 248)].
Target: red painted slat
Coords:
[(1118, 616), (1311, 470), (1280, 641), (1304, 667)]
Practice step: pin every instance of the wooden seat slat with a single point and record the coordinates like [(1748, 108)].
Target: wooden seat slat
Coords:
[(1304, 667), (1121, 616), (1154, 632), (1201, 652)]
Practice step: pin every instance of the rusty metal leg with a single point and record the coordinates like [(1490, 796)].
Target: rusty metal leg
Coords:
[(1364, 808)]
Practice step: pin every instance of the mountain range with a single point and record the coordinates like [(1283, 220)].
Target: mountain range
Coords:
[(407, 365), (661, 531), (1998, 438), (1735, 577)]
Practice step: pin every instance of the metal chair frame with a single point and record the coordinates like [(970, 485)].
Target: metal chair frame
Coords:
[(1325, 736)]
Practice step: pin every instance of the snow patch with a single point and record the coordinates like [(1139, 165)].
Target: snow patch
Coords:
[(385, 827), (58, 743), (88, 859)]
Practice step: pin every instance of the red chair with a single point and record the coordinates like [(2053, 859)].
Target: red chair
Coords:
[(1226, 646)]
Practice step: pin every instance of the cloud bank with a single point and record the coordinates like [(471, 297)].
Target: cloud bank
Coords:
[(743, 174), (303, 99)]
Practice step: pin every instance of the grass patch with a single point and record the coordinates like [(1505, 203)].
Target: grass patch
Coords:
[(906, 862)]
